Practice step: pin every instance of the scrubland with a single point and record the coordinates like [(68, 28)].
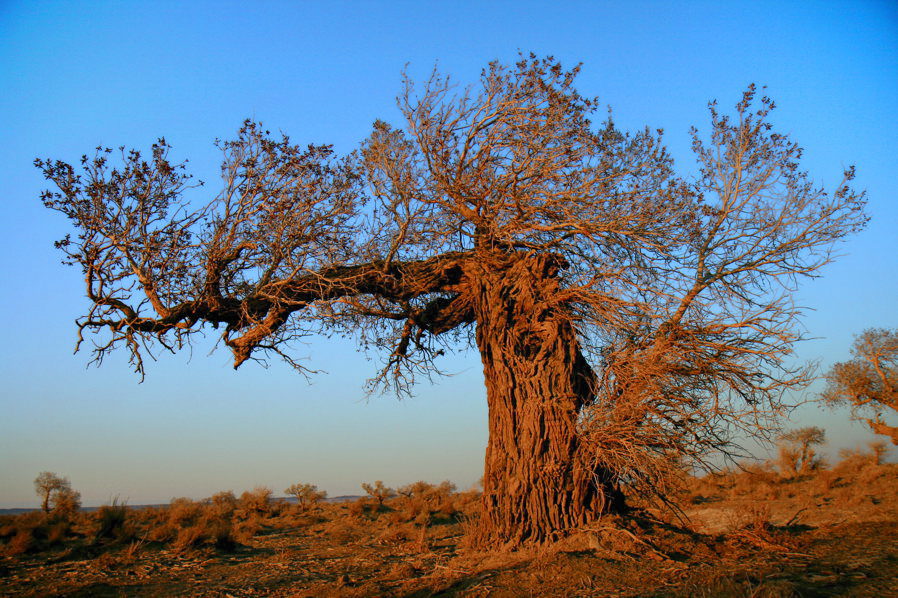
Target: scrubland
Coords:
[(762, 529)]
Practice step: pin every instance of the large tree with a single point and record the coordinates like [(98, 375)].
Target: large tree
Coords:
[(623, 314)]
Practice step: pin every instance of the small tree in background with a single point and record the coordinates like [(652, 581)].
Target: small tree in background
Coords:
[(46, 484), (796, 452), (306, 495), (378, 492), (869, 382)]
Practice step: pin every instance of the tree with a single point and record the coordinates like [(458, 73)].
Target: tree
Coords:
[(378, 491), (47, 484), (623, 314), (869, 382), (306, 494), (796, 452)]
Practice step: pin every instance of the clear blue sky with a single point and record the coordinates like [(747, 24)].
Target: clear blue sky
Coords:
[(76, 75)]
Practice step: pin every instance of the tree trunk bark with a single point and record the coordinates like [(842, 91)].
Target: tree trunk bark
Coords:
[(537, 483)]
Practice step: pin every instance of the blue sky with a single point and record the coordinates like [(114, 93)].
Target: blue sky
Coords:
[(77, 75)]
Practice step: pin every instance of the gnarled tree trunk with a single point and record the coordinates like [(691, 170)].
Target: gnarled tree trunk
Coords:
[(536, 484)]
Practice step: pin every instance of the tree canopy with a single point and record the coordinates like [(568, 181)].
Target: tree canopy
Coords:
[(868, 383)]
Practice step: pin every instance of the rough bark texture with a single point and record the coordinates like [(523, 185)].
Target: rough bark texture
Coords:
[(537, 485)]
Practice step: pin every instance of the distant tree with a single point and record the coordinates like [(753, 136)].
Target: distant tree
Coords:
[(306, 494), (378, 491), (46, 484), (622, 313), (796, 450), (869, 382)]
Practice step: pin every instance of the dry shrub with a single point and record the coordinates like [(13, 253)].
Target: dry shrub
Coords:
[(221, 534), (756, 480), (65, 503), (347, 529), (360, 507), (424, 503), (827, 479), (246, 529), (255, 502), (474, 536), (398, 534), (189, 524), (112, 522), (189, 537), (224, 501), (854, 461), (750, 526), (183, 512), (22, 542), (8, 530), (57, 532)]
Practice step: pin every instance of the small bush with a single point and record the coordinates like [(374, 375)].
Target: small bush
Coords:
[(111, 521), (189, 537), (23, 542), (184, 512), (256, 501), (65, 503)]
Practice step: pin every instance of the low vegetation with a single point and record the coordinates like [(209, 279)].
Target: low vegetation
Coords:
[(786, 527)]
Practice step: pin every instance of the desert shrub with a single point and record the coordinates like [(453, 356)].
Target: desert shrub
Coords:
[(162, 532), (425, 503), (853, 461), (22, 542), (189, 537), (189, 524), (827, 479), (7, 531), (753, 479), (346, 530), (183, 512), (245, 530), (112, 521), (33, 532), (277, 508), (256, 501), (65, 503), (57, 532), (360, 507), (221, 534), (223, 504)]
